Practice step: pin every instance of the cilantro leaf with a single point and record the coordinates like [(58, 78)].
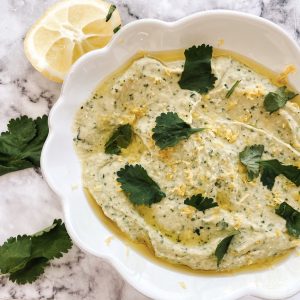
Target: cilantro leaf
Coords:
[(250, 157), (200, 202), (272, 168), (121, 138), (222, 248), (12, 166), (274, 101), (34, 149), (20, 132), (197, 74), (14, 254), (139, 187), (170, 130), (110, 12), (21, 145), (269, 169), (31, 271), (292, 218), (25, 257), (52, 242), (230, 92), (115, 30)]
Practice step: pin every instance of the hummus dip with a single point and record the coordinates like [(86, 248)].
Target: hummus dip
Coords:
[(206, 163)]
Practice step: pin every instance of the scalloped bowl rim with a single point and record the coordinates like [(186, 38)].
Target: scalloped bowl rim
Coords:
[(145, 286)]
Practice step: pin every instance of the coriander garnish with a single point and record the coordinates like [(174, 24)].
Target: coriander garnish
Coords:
[(292, 218), (170, 130), (273, 167), (139, 187), (197, 73), (276, 100), (250, 157), (120, 139), (222, 248), (200, 203)]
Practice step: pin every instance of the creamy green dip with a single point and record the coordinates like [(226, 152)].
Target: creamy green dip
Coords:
[(206, 163)]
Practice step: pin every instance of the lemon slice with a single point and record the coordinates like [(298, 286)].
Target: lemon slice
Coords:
[(67, 30)]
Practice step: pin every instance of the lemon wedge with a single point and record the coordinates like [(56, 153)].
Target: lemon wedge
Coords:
[(66, 31)]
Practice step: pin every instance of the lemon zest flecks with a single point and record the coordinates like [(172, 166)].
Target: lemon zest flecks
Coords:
[(169, 176), (180, 191), (188, 210)]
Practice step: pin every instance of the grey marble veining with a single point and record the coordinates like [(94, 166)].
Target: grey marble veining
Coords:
[(26, 202)]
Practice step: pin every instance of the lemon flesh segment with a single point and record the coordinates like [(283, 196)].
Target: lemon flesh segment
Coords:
[(68, 30)]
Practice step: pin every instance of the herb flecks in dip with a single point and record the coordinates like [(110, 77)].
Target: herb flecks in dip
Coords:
[(186, 191)]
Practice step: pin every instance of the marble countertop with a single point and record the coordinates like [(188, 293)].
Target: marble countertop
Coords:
[(27, 203)]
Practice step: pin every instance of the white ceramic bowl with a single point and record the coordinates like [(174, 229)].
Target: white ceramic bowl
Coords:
[(251, 36)]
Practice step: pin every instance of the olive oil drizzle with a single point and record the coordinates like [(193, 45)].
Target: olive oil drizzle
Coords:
[(145, 249)]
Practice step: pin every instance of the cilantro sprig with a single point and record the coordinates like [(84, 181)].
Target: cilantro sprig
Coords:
[(200, 203), (250, 157), (222, 248), (197, 73), (273, 168), (292, 217), (25, 257), (275, 100), (139, 187), (170, 130), (21, 145), (121, 138)]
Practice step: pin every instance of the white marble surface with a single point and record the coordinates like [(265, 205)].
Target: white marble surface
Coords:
[(26, 202)]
